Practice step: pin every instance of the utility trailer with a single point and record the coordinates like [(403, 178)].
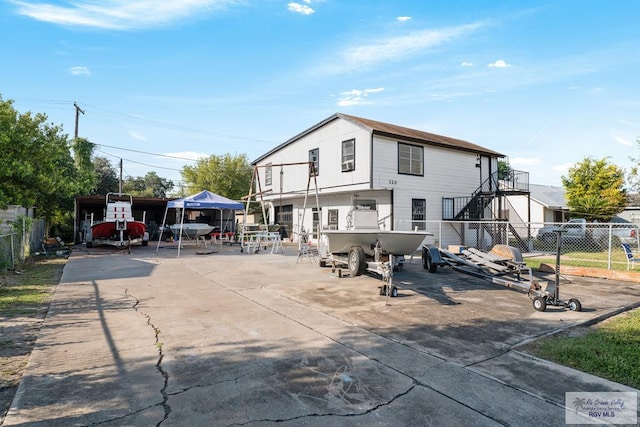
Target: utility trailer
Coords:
[(503, 265)]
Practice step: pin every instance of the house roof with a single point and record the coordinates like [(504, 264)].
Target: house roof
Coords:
[(549, 196), (391, 131)]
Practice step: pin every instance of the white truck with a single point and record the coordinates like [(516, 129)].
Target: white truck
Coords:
[(577, 229)]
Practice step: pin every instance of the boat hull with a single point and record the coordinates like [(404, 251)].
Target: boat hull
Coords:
[(392, 242), (108, 230), (193, 231)]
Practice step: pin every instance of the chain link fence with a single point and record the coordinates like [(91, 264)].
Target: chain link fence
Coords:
[(597, 245), (25, 239)]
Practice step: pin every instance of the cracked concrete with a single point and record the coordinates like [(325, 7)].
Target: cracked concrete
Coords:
[(237, 339)]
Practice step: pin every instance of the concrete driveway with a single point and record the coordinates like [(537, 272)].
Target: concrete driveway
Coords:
[(235, 339)]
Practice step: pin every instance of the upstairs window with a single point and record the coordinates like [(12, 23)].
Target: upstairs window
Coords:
[(410, 159), (314, 159), (268, 178), (348, 155)]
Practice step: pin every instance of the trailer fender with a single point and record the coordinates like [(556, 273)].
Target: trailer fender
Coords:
[(431, 258)]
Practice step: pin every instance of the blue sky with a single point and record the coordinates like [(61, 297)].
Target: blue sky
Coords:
[(545, 83)]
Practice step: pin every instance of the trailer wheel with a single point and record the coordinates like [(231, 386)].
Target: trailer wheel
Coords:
[(322, 263), (394, 291), (357, 263), (427, 262), (89, 244), (539, 303), (574, 305)]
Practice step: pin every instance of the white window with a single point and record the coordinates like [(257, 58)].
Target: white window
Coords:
[(348, 155), (410, 159), (418, 214), (314, 159), (268, 175)]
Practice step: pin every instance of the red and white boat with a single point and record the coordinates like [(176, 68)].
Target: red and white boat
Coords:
[(118, 228)]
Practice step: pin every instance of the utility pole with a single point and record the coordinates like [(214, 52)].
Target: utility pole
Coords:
[(78, 111)]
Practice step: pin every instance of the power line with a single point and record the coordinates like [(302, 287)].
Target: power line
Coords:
[(143, 152), (157, 123), (139, 163)]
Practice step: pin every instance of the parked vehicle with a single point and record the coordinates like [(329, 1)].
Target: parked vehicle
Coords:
[(621, 231)]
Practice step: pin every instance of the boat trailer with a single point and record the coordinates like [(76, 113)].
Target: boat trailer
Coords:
[(503, 265)]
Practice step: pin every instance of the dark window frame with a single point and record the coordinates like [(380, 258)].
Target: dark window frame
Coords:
[(418, 217), (413, 149), (268, 175), (314, 157), (348, 157)]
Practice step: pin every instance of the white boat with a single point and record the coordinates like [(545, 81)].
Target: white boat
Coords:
[(192, 230), (390, 242)]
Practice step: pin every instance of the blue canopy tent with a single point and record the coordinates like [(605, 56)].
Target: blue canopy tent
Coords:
[(202, 200)]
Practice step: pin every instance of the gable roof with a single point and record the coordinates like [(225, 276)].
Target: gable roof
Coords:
[(549, 196), (391, 131)]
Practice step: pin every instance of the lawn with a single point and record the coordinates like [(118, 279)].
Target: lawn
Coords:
[(25, 295), (608, 350)]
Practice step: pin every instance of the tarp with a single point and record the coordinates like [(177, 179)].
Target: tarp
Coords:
[(205, 200), (202, 200)]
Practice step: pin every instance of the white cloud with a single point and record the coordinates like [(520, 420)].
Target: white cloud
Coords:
[(393, 48), (79, 71), (564, 166), (524, 160), (620, 140), (500, 63), (136, 135), (357, 97), (118, 14), (403, 18), (300, 8), (466, 64)]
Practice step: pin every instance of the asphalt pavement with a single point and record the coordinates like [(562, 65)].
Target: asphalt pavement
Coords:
[(234, 339)]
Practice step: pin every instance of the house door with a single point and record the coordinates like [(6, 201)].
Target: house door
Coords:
[(485, 172), (284, 217)]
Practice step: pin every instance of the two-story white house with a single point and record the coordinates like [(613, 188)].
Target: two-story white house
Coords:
[(410, 175)]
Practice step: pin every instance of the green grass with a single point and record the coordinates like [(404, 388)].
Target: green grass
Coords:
[(609, 350), (22, 294), (581, 259)]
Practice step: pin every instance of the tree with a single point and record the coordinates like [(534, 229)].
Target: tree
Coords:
[(634, 173), (37, 167), (151, 185), (82, 154), (107, 180), (595, 189), (226, 175)]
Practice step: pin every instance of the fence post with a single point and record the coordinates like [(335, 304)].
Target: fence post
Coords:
[(13, 260)]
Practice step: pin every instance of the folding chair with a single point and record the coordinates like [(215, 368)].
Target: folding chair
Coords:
[(631, 259)]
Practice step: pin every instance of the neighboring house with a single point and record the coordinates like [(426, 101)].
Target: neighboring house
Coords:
[(13, 212), (411, 176), (544, 204)]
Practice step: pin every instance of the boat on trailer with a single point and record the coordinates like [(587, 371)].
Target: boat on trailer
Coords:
[(365, 247), (118, 228)]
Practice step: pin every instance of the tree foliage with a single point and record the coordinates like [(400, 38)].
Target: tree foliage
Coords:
[(595, 189), (151, 185), (107, 180), (634, 173), (227, 175), (37, 167)]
